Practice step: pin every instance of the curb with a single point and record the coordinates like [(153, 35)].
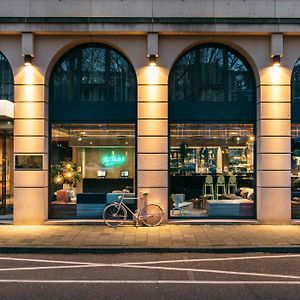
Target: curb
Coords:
[(120, 250)]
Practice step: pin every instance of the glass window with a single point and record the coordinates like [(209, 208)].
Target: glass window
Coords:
[(295, 170), (88, 162), (93, 73), (212, 170), (211, 73), (6, 79)]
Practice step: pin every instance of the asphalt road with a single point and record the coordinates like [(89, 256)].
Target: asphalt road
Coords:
[(150, 276)]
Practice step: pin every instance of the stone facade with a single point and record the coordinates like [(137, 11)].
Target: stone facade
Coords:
[(246, 26)]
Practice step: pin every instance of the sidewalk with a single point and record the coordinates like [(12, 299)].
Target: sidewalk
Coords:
[(163, 238)]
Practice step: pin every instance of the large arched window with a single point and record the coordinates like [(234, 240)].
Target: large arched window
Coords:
[(295, 140), (212, 113), (93, 81), (93, 99), (6, 79), (211, 77)]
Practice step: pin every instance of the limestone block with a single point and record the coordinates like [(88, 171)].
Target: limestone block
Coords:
[(152, 145), (152, 162), (152, 127), (30, 206), (152, 110), (153, 93), (152, 179)]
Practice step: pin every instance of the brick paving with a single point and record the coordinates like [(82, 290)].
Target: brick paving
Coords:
[(165, 236)]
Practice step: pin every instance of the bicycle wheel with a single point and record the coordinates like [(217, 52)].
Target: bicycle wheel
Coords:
[(152, 215), (114, 215)]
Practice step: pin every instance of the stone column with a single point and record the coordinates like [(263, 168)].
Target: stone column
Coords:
[(152, 135), (273, 151), (30, 138)]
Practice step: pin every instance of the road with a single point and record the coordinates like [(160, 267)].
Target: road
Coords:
[(150, 276)]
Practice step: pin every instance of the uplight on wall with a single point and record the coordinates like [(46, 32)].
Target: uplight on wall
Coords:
[(152, 60), (276, 60), (27, 60)]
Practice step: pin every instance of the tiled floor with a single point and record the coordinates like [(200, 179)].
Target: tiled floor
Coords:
[(165, 236)]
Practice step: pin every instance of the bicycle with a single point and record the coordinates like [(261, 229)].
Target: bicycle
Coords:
[(115, 214)]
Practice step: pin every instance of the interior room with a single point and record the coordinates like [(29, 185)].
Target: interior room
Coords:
[(212, 170), (89, 162)]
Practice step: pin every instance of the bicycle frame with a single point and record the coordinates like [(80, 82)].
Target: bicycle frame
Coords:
[(121, 203)]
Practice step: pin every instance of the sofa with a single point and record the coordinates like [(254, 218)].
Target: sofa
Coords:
[(230, 208), (90, 205)]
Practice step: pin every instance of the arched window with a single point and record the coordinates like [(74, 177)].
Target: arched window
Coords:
[(90, 82), (216, 76), (6, 79), (93, 99), (212, 115)]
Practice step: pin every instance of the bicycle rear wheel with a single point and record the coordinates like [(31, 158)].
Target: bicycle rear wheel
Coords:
[(114, 215), (152, 215)]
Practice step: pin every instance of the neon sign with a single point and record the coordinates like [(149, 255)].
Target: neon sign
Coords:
[(113, 160)]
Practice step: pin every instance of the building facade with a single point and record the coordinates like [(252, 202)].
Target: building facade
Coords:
[(194, 102)]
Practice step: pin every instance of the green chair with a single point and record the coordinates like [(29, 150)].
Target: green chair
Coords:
[(208, 187), (232, 186), (221, 186)]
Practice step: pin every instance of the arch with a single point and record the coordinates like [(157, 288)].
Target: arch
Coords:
[(92, 82), (6, 79), (224, 79), (212, 117)]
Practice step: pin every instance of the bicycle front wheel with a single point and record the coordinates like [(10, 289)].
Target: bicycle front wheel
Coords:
[(152, 215), (114, 215)]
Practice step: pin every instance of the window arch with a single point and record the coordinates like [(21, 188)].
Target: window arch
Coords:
[(211, 77), (93, 82), (212, 116), (6, 79)]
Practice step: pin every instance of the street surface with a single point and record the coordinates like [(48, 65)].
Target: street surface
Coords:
[(150, 276)]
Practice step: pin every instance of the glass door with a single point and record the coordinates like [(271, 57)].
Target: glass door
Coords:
[(6, 173)]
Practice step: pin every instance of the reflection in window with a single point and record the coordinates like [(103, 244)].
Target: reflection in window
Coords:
[(212, 170), (93, 73), (296, 82), (211, 74), (295, 168), (88, 162), (6, 79)]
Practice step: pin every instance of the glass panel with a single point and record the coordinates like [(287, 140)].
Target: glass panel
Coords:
[(212, 170), (93, 73), (88, 162), (6, 174), (6, 79), (296, 82), (295, 170), (211, 74)]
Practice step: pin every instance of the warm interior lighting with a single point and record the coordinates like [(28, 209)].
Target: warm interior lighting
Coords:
[(27, 59), (152, 60), (276, 60)]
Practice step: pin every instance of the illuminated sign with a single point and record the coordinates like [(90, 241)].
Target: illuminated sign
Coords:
[(113, 160)]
